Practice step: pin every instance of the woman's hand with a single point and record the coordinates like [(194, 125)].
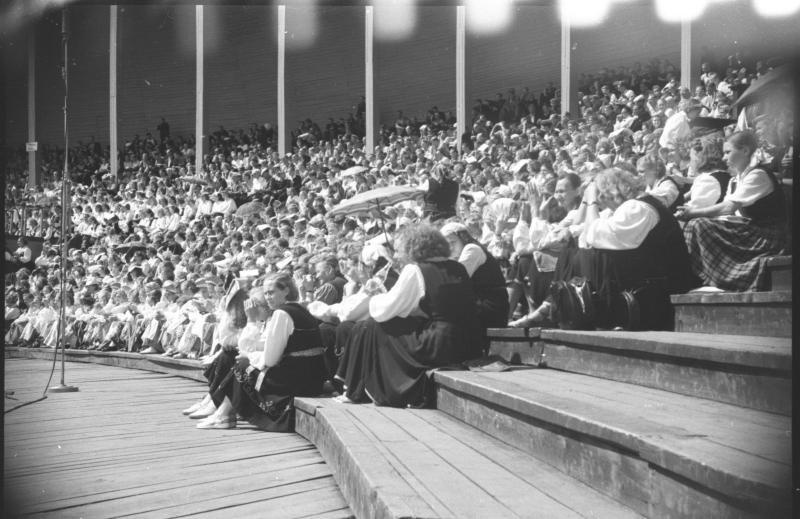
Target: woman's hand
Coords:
[(242, 361), (590, 193), (683, 213)]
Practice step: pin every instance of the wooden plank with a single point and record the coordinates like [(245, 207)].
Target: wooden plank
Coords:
[(572, 493), (763, 434), (511, 334), (520, 353), (600, 466), (120, 447), (190, 498), (457, 493), (477, 460), (671, 441), (754, 352), (359, 465), (765, 320), (733, 298), (693, 378)]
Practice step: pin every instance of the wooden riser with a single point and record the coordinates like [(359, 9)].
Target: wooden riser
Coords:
[(516, 345), (765, 314), (752, 372), (404, 463), (190, 369), (657, 467)]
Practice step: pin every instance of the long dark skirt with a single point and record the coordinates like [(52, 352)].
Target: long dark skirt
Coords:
[(731, 255), (216, 372), (610, 272), (270, 406), (334, 341), (492, 307), (387, 362)]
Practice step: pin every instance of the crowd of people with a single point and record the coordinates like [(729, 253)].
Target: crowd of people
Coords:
[(649, 190)]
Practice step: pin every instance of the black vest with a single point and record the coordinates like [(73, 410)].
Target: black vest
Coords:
[(768, 210), (723, 177), (666, 245), (306, 330), (489, 275)]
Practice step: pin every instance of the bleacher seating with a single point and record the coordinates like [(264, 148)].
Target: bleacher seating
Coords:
[(586, 424)]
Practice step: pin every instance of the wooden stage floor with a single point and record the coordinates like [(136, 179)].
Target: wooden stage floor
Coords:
[(120, 447)]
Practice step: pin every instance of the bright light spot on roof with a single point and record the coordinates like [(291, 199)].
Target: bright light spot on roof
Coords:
[(584, 13), (680, 10), (394, 19), (775, 8), (488, 16)]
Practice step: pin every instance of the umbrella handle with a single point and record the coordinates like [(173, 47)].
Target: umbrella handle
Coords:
[(383, 224)]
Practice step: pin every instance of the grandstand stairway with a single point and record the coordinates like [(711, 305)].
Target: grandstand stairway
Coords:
[(600, 424), (692, 423)]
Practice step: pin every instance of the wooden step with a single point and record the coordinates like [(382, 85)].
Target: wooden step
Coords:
[(767, 314), (660, 453), (780, 272), (515, 345), (402, 463), (748, 371), (185, 368)]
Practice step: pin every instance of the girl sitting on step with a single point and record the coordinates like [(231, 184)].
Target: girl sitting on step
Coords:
[(729, 241), (262, 384)]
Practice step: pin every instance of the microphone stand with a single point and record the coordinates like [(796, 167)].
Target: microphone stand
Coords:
[(65, 216)]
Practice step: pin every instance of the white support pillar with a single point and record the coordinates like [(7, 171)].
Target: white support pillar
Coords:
[(686, 53), (281, 123), (461, 82), (113, 153), (369, 74), (32, 103), (566, 94), (198, 123)]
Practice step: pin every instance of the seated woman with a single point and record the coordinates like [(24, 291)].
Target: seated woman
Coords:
[(488, 282), (660, 186), (709, 172), (245, 314), (728, 241), (639, 243), (426, 320), (290, 364)]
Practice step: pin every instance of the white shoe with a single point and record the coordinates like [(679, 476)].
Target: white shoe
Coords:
[(197, 405), (218, 422), (204, 411)]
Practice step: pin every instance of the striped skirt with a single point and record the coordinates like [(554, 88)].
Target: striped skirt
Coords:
[(731, 255)]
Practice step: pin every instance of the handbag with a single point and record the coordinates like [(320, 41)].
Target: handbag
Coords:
[(646, 307), (278, 414), (573, 304)]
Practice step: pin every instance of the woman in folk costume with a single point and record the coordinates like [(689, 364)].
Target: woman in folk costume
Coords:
[(729, 241), (289, 363), (708, 171), (240, 325), (638, 242), (489, 284), (427, 320)]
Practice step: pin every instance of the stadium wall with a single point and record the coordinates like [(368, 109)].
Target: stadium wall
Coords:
[(325, 78)]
